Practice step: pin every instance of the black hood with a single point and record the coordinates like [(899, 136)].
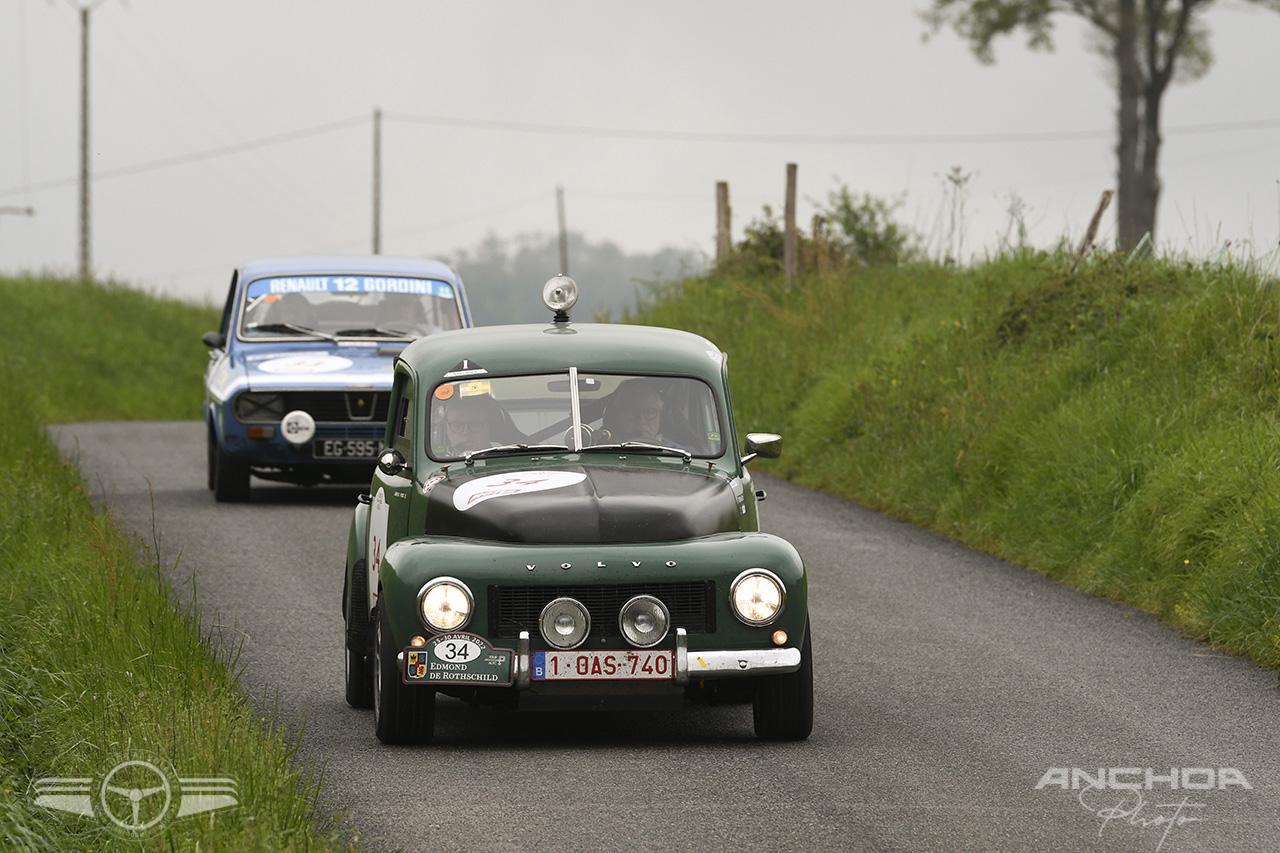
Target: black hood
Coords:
[(582, 505)]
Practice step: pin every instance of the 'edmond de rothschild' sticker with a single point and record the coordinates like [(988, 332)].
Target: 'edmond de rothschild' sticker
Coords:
[(305, 364), (516, 483)]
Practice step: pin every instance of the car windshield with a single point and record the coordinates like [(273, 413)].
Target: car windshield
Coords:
[(576, 411), (361, 306)]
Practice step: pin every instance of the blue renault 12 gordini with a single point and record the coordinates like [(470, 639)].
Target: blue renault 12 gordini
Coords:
[(300, 370)]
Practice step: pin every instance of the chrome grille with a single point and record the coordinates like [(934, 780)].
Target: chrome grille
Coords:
[(513, 609)]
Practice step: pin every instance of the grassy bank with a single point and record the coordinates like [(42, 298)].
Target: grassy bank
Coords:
[(96, 663), (1116, 428)]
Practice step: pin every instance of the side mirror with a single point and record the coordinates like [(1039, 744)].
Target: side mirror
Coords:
[(766, 445), (214, 340), (392, 463)]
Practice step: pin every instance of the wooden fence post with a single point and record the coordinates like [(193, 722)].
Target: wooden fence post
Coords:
[(1092, 231), (723, 232)]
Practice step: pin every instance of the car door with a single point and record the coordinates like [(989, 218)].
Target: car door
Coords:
[(391, 490)]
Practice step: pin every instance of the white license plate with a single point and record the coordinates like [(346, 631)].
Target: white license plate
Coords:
[(646, 664), (347, 448)]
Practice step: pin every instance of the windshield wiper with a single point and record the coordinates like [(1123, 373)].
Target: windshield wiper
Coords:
[(290, 327), (375, 330), (639, 447), (504, 449)]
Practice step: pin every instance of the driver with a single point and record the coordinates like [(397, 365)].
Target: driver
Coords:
[(470, 423), (635, 413)]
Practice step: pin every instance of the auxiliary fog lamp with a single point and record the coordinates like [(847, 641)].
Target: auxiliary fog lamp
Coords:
[(565, 623), (643, 621)]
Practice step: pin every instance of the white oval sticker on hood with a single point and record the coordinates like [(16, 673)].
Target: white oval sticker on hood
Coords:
[(305, 364), (515, 483)]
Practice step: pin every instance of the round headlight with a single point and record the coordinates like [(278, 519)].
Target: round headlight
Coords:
[(565, 623), (445, 604), (758, 596), (643, 621)]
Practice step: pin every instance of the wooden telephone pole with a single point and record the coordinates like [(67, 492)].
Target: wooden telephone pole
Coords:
[(564, 235), (86, 261), (377, 181)]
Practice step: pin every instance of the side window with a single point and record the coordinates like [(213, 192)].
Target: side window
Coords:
[(404, 420), (402, 415), (402, 429), (225, 328)]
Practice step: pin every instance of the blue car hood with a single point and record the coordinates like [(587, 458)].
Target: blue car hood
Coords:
[(338, 365)]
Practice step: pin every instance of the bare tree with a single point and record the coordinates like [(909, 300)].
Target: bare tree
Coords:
[(1148, 41)]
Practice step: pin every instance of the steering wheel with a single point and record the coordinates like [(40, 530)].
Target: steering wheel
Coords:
[(588, 434)]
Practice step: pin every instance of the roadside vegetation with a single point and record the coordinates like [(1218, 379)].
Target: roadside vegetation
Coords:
[(1116, 428), (98, 663)]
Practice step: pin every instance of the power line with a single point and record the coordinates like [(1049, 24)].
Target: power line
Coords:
[(652, 135), (196, 156), (808, 139)]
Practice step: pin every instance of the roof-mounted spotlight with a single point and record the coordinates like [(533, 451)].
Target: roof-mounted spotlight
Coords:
[(560, 294)]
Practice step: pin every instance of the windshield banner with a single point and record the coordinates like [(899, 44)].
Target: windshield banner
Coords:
[(350, 284)]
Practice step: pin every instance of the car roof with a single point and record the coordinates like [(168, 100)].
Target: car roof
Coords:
[(532, 348), (368, 264)]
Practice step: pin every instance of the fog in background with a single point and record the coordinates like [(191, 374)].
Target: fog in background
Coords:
[(242, 128)]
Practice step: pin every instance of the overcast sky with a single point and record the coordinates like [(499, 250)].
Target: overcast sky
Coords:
[(227, 130)]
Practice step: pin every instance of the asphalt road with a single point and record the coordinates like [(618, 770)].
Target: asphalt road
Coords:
[(949, 685)]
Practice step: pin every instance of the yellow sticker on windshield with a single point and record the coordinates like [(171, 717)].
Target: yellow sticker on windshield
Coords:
[(474, 389)]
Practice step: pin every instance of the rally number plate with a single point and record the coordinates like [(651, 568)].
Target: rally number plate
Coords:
[(647, 664), (347, 448)]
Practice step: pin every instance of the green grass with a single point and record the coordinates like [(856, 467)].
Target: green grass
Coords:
[(1115, 429), (97, 664)]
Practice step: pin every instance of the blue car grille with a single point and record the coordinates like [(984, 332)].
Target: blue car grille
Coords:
[(513, 609), (327, 407), (353, 431)]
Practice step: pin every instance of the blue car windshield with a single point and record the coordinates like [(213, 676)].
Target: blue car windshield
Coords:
[(358, 306), (677, 412)]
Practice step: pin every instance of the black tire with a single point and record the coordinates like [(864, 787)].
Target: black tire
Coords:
[(402, 713), (359, 676), (783, 708), (230, 478), (212, 459)]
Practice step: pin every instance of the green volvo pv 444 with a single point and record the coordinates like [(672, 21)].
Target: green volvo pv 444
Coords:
[(562, 520)]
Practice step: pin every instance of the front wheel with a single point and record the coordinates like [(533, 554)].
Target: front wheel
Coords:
[(783, 708), (359, 680), (230, 477), (211, 465), (402, 713)]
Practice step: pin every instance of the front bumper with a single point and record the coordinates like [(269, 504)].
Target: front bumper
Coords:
[(721, 663)]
